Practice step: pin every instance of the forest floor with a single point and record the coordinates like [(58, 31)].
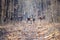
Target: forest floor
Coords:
[(27, 31)]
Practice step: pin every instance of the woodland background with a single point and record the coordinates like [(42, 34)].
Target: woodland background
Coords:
[(29, 19)]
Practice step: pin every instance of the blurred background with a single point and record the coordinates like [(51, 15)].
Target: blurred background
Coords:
[(19, 10), (29, 19)]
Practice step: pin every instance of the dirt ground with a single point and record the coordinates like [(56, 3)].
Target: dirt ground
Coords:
[(26, 31)]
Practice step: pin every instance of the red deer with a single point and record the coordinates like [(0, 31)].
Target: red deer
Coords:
[(41, 18), (31, 19)]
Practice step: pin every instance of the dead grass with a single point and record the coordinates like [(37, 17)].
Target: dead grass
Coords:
[(21, 31)]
